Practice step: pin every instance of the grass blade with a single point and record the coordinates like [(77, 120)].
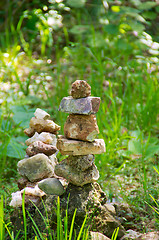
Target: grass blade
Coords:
[(72, 224), (81, 229), (1, 219), (24, 216), (115, 234), (36, 229)]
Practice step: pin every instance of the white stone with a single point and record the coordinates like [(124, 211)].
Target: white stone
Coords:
[(45, 137), (41, 114), (36, 191), (16, 199), (17, 196), (98, 236), (53, 159)]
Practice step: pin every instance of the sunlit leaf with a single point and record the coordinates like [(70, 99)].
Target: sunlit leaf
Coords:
[(115, 8)]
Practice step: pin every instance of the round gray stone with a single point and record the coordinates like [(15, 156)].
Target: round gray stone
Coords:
[(51, 186)]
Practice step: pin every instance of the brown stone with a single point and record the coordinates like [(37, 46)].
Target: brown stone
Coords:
[(81, 127), (41, 125), (23, 182), (75, 147), (80, 89), (40, 147), (29, 132)]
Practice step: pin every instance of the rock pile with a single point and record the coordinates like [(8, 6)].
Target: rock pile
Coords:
[(80, 143), (80, 132), (39, 162)]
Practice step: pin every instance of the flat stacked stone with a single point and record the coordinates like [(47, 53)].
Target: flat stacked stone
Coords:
[(40, 160), (80, 136)]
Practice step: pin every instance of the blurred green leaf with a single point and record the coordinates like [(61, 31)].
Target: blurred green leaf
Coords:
[(147, 5), (80, 29), (135, 146), (15, 149), (157, 9), (122, 44), (111, 29), (22, 115), (149, 15), (76, 3), (97, 41), (151, 150), (136, 26)]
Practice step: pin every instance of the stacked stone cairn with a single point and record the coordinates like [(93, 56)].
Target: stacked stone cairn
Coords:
[(80, 141), (74, 178), (37, 168)]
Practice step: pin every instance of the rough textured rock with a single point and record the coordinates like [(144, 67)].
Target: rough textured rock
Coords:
[(88, 199), (82, 162), (80, 89), (41, 114), (51, 186), (74, 147), (98, 236), (40, 147), (29, 131), (33, 194), (74, 174), (41, 125), (131, 234), (53, 159), (36, 168), (81, 127), (149, 236), (88, 105), (45, 137), (24, 182)]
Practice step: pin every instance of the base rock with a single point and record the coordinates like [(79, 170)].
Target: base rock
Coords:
[(89, 199)]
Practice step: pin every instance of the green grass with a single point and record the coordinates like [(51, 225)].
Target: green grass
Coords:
[(63, 232)]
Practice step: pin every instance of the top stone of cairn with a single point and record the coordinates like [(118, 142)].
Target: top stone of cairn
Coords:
[(80, 89)]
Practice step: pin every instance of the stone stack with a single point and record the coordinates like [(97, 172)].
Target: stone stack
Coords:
[(80, 141), (83, 193), (37, 168)]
